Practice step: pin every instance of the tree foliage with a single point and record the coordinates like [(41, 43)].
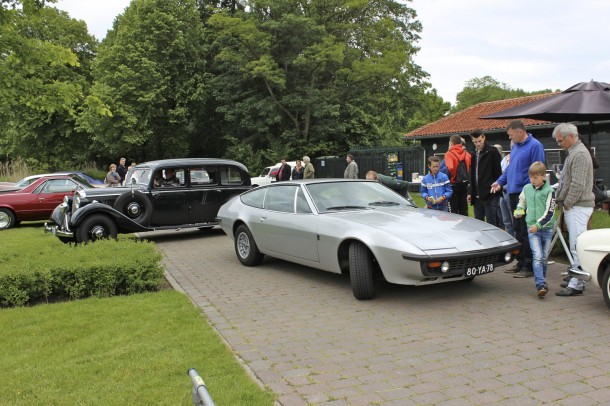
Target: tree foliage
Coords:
[(45, 59), (148, 89), (479, 90), (318, 76)]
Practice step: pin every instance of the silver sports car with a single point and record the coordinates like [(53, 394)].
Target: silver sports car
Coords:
[(364, 228)]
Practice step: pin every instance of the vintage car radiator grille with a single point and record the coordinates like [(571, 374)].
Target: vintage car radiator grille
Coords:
[(473, 262)]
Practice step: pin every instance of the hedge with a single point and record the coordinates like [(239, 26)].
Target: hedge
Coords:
[(41, 268)]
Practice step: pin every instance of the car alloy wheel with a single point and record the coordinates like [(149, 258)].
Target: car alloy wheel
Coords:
[(245, 247)]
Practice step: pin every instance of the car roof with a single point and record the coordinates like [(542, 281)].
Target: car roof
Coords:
[(179, 162)]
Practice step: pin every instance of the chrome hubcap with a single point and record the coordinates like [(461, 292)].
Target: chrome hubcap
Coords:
[(4, 220), (98, 232), (133, 209), (243, 245)]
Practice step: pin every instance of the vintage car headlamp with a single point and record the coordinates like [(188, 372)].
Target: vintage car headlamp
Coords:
[(508, 257), (76, 200), (445, 266)]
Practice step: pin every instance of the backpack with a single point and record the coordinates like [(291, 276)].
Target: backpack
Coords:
[(461, 173)]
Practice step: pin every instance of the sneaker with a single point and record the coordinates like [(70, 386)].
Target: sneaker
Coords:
[(569, 292), (514, 269), (565, 285), (524, 274), (542, 290)]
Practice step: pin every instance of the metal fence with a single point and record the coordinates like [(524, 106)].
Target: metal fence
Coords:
[(380, 160)]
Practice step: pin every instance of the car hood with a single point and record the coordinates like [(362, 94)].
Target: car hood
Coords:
[(432, 230)]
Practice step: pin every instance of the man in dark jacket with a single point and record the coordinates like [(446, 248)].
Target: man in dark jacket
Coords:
[(284, 172), (484, 170)]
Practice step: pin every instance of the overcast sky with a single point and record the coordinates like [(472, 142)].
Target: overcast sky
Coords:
[(531, 45)]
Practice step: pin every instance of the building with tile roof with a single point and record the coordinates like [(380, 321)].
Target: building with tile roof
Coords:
[(434, 137)]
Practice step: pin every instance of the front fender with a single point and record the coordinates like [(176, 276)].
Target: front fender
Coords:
[(123, 222)]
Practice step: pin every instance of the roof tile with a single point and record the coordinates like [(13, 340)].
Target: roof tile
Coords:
[(469, 119)]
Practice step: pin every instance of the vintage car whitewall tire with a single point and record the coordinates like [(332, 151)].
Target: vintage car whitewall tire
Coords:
[(136, 206), (95, 227), (7, 219), (361, 271), (605, 284), (245, 247)]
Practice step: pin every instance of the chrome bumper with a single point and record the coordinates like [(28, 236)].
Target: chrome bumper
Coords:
[(579, 274), (57, 232)]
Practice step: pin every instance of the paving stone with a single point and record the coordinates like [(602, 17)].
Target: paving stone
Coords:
[(304, 336)]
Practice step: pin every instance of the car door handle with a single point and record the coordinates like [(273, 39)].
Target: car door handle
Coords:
[(263, 217), (41, 199)]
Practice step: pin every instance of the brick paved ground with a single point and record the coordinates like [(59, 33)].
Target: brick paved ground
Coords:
[(302, 333)]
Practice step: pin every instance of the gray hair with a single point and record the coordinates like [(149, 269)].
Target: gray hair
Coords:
[(566, 129), (305, 159)]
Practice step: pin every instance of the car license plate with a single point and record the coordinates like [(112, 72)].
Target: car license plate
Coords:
[(479, 270)]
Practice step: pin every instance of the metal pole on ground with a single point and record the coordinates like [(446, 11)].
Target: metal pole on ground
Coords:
[(201, 396)]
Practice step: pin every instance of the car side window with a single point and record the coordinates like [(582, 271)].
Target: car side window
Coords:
[(57, 186), (203, 176), (281, 198), (302, 205), (230, 175), (254, 198)]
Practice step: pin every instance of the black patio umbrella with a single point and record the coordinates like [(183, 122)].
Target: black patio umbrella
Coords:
[(585, 101)]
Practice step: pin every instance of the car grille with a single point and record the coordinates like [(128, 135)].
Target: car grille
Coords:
[(462, 263)]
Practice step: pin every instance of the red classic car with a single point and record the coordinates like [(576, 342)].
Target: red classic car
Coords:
[(38, 200)]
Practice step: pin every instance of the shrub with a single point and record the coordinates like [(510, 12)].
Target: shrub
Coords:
[(36, 271)]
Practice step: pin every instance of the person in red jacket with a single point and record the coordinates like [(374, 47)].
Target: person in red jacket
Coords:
[(455, 154)]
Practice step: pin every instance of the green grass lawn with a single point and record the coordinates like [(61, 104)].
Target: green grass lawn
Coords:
[(122, 350), (117, 351)]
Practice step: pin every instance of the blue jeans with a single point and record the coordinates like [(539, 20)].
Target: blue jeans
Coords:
[(507, 214), (540, 243)]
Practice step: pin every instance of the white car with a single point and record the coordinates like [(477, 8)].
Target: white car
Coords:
[(593, 249), (267, 175)]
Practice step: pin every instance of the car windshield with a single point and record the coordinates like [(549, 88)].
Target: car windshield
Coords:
[(137, 175), (334, 196)]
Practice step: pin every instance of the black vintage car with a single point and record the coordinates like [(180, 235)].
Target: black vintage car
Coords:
[(157, 195)]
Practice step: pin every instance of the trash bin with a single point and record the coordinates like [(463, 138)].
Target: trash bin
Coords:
[(399, 175)]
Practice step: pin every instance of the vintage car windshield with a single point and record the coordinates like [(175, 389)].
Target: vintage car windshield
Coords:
[(140, 175), (333, 196)]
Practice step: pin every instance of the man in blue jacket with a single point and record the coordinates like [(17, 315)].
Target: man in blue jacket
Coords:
[(525, 151)]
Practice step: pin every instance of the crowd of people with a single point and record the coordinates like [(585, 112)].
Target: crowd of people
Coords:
[(510, 191)]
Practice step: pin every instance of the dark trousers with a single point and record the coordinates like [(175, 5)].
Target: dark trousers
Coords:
[(487, 210), (524, 259), (459, 199)]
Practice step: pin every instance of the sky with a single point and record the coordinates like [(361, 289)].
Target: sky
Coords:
[(530, 45)]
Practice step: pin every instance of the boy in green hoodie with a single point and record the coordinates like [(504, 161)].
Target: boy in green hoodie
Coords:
[(537, 203)]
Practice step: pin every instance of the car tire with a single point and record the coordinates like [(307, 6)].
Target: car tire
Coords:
[(245, 247), (95, 227), (136, 206), (361, 271), (605, 285), (7, 219)]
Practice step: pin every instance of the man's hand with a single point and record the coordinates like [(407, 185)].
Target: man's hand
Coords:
[(495, 187)]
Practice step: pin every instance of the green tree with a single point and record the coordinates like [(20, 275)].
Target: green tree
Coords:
[(45, 59), (316, 77), (479, 90), (431, 107), (148, 92)]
